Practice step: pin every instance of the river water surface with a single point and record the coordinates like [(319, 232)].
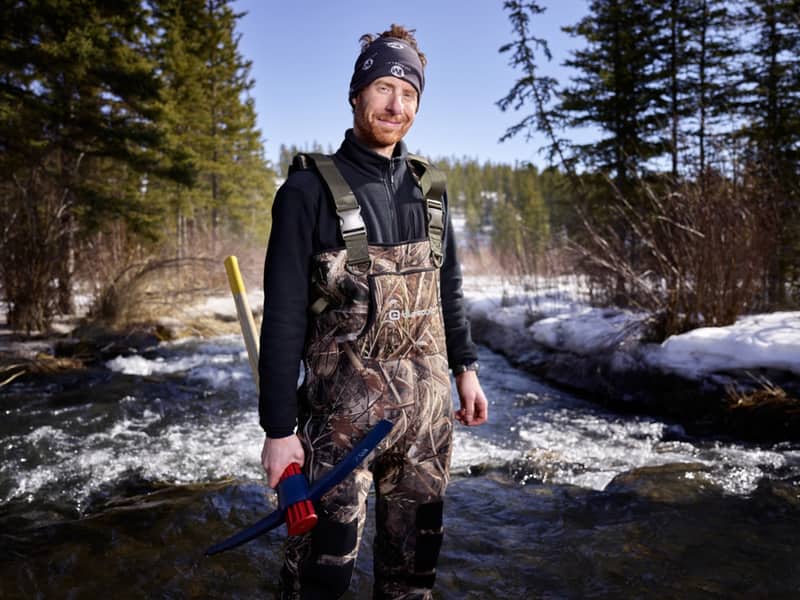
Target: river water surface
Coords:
[(113, 482)]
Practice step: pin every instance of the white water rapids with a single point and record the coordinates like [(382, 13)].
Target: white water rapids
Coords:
[(189, 414)]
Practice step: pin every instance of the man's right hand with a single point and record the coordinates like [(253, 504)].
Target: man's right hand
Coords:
[(279, 453)]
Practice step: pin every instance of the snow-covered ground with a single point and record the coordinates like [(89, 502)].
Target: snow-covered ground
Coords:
[(555, 315)]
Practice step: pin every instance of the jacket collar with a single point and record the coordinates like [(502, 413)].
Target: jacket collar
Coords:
[(368, 160)]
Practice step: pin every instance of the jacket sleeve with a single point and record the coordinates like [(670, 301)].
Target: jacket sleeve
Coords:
[(283, 328), (460, 348)]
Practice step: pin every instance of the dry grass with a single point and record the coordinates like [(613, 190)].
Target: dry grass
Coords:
[(694, 255), (135, 285), (13, 366), (767, 396)]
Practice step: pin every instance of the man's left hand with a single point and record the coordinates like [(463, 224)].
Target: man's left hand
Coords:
[(474, 408)]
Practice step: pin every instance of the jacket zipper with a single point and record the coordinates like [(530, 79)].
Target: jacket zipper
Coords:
[(389, 185)]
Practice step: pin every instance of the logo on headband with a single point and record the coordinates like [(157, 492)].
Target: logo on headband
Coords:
[(397, 71), (367, 65), (395, 45)]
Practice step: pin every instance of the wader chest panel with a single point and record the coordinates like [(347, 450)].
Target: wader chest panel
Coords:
[(391, 311)]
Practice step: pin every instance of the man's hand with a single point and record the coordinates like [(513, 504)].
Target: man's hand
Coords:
[(279, 453), (474, 408)]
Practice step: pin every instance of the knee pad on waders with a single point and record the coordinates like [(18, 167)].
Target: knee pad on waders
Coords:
[(330, 541), (429, 542)]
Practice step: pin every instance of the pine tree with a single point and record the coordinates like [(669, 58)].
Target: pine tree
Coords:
[(532, 87), (770, 76), (211, 114), (521, 222), (285, 157), (692, 52), (673, 54), (770, 104), (711, 88), (615, 89), (76, 91)]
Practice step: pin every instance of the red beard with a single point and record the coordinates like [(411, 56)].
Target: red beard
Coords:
[(373, 134)]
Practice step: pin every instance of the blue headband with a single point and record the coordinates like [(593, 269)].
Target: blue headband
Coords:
[(387, 56)]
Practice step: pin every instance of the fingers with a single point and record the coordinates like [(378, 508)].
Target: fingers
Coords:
[(474, 409), (274, 472), (275, 477), (481, 414), (277, 468), (278, 454)]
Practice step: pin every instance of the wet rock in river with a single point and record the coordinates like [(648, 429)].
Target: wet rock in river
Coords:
[(674, 483), (148, 544)]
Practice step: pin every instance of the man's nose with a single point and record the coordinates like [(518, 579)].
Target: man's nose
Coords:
[(396, 103)]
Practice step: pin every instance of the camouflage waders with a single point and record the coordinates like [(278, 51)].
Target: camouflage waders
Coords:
[(376, 350)]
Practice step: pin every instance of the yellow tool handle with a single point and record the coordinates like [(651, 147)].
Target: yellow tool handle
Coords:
[(244, 313)]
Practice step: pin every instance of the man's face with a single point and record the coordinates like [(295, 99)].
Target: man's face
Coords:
[(384, 112)]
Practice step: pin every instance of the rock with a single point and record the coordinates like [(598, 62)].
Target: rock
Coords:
[(676, 483), (146, 544)]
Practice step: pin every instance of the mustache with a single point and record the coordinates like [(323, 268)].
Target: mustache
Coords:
[(392, 118)]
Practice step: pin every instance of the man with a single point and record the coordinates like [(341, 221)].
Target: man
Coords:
[(369, 296)]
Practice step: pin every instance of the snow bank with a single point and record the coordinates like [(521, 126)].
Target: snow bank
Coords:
[(224, 306), (769, 340), (585, 331), (563, 321)]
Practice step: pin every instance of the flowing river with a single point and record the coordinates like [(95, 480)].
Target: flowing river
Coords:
[(113, 483)]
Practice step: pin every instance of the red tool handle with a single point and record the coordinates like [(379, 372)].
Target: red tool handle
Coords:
[(300, 516)]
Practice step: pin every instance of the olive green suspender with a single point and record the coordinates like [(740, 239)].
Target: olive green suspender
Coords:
[(354, 232), (433, 183)]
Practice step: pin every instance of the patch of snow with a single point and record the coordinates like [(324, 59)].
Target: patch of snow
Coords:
[(767, 340), (566, 322), (225, 306), (586, 331)]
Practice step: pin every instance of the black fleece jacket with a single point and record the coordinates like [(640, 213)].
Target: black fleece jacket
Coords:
[(304, 223)]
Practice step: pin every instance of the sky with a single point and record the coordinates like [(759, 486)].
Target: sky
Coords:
[(303, 52)]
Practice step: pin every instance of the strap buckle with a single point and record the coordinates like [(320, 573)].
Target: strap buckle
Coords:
[(351, 222), (435, 214), (436, 230)]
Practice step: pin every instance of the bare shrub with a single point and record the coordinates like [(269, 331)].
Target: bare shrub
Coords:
[(700, 256), (133, 282), (144, 291), (33, 215)]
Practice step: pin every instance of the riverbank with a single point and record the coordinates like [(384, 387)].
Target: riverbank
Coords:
[(76, 343), (115, 479), (742, 380)]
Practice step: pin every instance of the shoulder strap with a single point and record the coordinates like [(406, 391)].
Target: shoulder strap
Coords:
[(300, 162), (433, 183), (354, 232)]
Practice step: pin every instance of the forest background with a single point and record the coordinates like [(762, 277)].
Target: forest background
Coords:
[(130, 159)]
